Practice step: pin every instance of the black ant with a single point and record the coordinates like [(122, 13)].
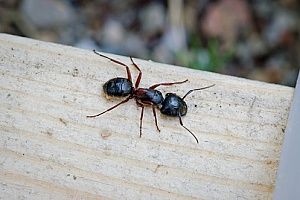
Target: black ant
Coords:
[(122, 87), (175, 106)]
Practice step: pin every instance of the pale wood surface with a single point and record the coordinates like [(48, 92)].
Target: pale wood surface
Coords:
[(50, 150)]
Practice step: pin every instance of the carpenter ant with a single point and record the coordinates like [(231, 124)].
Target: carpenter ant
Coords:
[(175, 106), (122, 87)]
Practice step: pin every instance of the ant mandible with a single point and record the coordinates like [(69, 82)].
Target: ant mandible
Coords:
[(175, 106), (122, 87)]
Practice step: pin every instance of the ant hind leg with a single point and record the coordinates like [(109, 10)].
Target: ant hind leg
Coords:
[(138, 80), (118, 62)]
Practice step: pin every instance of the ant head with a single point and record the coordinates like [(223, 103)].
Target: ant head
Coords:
[(170, 94)]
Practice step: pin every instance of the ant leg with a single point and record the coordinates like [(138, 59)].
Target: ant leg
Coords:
[(189, 92), (141, 118), (167, 84), (138, 80), (124, 101), (180, 121), (154, 113), (118, 62)]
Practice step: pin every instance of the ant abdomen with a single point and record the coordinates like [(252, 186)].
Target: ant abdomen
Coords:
[(118, 87)]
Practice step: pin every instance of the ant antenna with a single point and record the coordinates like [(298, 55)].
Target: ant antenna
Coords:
[(180, 121), (189, 92)]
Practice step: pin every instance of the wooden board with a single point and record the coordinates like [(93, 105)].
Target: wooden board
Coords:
[(49, 149)]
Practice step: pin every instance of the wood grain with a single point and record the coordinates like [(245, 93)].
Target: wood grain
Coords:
[(49, 149)]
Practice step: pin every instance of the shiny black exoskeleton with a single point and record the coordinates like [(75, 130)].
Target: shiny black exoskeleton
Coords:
[(149, 95), (175, 106), (118, 87), (122, 87)]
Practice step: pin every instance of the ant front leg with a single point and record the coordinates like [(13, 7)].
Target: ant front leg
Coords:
[(118, 62), (167, 84), (154, 114), (124, 101)]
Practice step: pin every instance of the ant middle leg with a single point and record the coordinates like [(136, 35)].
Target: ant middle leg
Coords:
[(167, 84), (154, 112), (124, 101), (142, 114), (118, 62)]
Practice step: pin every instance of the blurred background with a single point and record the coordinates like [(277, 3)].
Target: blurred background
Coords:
[(255, 39)]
